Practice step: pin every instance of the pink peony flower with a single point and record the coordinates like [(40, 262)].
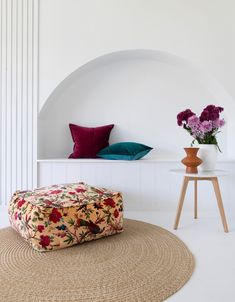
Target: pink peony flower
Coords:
[(40, 228), (44, 241), (116, 213), (80, 190), (55, 216), (55, 191), (20, 203), (109, 202)]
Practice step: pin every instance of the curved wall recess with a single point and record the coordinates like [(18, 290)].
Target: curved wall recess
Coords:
[(140, 91)]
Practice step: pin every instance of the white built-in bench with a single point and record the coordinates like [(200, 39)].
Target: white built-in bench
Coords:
[(145, 183)]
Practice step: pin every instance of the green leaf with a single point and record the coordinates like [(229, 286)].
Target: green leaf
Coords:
[(83, 222), (69, 239), (109, 217), (71, 221)]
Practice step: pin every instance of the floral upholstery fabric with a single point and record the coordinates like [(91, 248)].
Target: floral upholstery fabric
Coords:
[(59, 216)]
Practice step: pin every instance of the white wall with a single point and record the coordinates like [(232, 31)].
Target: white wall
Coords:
[(140, 92), (73, 32)]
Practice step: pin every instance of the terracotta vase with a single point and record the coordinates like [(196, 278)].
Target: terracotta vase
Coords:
[(191, 161)]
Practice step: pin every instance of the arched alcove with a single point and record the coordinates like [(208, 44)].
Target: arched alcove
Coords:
[(140, 91)]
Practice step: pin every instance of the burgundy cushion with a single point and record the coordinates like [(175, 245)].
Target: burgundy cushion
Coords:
[(89, 141)]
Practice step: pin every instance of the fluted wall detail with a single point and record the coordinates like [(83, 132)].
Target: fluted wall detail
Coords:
[(18, 95)]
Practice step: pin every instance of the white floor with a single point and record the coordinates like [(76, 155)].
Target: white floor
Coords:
[(214, 277)]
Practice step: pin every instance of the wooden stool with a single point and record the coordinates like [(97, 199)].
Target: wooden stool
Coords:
[(209, 176)]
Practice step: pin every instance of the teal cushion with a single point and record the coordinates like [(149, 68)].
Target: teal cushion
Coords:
[(124, 151)]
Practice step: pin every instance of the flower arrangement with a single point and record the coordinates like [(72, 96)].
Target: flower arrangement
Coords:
[(205, 127)]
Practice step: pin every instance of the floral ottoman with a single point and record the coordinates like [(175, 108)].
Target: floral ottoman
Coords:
[(59, 216)]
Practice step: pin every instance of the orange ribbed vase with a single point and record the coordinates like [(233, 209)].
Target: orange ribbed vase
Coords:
[(191, 161)]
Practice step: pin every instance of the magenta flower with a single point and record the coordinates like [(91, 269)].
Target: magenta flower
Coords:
[(205, 127), (205, 115), (218, 123), (193, 121), (210, 113), (184, 116), (221, 123)]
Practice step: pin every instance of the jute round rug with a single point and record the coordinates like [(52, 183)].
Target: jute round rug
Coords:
[(144, 263)]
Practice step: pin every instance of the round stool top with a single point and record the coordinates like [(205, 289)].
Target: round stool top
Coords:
[(201, 174)]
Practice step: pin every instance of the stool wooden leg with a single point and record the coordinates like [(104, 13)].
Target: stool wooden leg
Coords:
[(220, 202), (181, 201), (195, 199)]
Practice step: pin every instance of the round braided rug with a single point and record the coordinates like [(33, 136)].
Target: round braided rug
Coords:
[(144, 263)]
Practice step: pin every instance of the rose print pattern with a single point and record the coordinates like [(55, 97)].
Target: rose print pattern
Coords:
[(59, 216)]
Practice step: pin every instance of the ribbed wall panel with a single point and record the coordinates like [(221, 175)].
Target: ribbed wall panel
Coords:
[(18, 95)]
